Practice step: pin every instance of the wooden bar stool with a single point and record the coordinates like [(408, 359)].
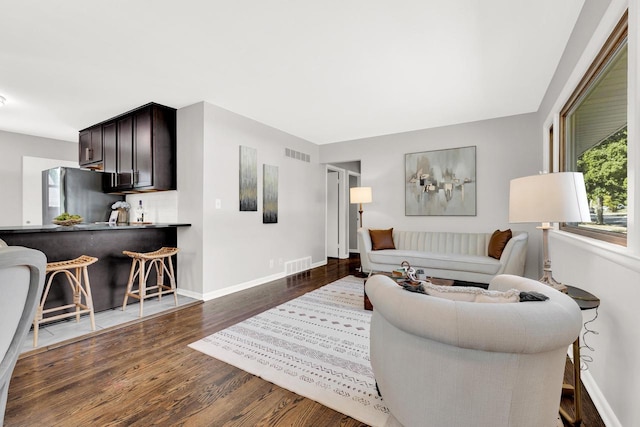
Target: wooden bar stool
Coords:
[(138, 269), (78, 278)]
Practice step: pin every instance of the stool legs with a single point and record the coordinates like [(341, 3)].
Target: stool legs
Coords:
[(81, 289), (161, 268), (142, 285), (172, 280), (137, 271), (140, 270), (87, 295)]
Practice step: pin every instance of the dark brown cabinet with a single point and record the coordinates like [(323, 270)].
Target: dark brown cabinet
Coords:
[(118, 155), (124, 173), (143, 142), (140, 150), (109, 146), (90, 146)]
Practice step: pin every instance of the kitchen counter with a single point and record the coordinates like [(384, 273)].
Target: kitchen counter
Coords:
[(99, 226), (108, 276)]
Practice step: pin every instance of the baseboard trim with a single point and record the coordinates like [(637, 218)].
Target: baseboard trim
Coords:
[(599, 401), (243, 286), (190, 294)]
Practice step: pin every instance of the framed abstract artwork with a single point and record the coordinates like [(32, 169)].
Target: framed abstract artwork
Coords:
[(269, 194), (248, 179), (441, 182)]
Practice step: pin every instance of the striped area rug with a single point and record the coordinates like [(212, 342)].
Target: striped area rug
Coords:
[(316, 345)]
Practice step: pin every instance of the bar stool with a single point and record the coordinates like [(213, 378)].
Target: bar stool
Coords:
[(78, 278), (157, 259)]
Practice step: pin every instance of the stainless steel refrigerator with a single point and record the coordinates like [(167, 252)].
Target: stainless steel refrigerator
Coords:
[(76, 191)]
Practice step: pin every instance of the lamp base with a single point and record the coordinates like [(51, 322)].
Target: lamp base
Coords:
[(548, 279)]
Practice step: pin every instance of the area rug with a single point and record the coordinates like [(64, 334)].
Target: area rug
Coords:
[(316, 345)]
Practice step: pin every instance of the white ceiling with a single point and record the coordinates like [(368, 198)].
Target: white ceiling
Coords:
[(324, 70)]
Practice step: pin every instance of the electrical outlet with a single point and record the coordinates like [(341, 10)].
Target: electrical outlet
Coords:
[(218, 204), (270, 263)]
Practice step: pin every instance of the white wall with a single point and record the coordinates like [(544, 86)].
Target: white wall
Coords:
[(190, 170), (232, 249), (15, 146), (158, 206), (506, 148), (611, 272)]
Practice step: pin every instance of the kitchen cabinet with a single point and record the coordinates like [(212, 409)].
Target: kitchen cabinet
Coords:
[(90, 147), (109, 146), (143, 132), (118, 155), (140, 150)]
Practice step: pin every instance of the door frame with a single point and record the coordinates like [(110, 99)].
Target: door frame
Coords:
[(343, 201)]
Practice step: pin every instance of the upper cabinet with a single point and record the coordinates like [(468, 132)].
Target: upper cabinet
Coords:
[(90, 147), (139, 150)]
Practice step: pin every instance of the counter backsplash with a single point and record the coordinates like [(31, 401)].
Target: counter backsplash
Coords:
[(159, 207)]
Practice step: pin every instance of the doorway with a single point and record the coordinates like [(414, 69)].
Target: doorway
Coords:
[(341, 216), (333, 213)]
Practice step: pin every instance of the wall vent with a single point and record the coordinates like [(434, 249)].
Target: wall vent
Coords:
[(297, 155), (297, 265)]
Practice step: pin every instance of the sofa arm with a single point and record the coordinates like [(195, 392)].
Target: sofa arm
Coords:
[(514, 254), (364, 247)]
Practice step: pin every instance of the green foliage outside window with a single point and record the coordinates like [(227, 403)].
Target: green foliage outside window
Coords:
[(605, 174)]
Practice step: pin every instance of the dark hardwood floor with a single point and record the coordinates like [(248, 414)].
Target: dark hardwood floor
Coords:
[(144, 374)]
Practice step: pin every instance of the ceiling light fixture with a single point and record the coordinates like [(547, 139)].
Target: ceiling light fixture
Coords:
[(3, 100)]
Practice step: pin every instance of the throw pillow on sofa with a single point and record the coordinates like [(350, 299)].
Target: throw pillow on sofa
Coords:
[(381, 239), (497, 242)]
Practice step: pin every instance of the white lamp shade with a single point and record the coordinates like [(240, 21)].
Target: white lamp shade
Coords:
[(360, 195), (553, 197)]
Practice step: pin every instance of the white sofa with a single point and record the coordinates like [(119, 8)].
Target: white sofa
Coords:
[(440, 362), (447, 255)]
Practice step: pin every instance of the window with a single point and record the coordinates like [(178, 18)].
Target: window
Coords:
[(593, 140)]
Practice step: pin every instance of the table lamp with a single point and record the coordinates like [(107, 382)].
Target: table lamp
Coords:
[(360, 195), (546, 198)]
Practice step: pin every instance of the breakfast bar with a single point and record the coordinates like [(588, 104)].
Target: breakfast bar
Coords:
[(109, 275)]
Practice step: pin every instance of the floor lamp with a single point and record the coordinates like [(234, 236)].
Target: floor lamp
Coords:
[(360, 195), (546, 198)]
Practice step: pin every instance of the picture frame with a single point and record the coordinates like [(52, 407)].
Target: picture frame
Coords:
[(441, 182), (269, 194), (113, 217), (248, 193)]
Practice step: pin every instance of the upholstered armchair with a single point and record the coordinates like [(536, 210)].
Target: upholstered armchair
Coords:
[(22, 274), (441, 362)]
